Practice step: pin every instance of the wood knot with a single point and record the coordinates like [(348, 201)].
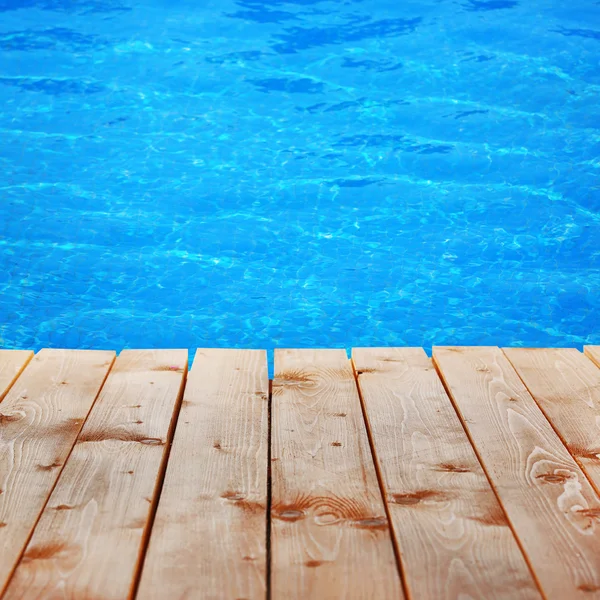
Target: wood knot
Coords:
[(44, 552), (240, 501), (151, 441), (3, 524), (494, 518), (372, 523), (290, 379), (54, 465), (593, 513), (64, 507), (588, 587), (450, 468), (336, 443), (232, 496), (412, 498), (554, 478), (290, 515), (314, 563), (362, 371), (172, 368), (9, 417), (293, 376), (482, 369), (339, 414)]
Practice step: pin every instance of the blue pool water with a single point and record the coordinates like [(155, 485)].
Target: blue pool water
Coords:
[(268, 173)]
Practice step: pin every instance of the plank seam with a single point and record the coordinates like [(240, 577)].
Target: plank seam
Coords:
[(397, 553), (37, 520), (560, 437), (158, 487), (269, 495), (487, 475), (16, 377), (587, 352)]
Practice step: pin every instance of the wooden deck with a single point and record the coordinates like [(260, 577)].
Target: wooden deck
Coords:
[(390, 475)]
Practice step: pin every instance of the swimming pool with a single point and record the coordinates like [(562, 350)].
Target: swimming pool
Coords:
[(261, 173)]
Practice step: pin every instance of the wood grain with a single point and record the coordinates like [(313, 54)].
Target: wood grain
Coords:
[(330, 536), (593, 353), (40, 419), (566, 386), (209, 535), (90, 535), (12, 363), (551, 505), (451, 531)]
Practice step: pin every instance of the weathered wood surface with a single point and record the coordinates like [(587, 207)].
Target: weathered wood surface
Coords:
[(90, 535), (549, 501), (491, 493), (566, 386), (593, 353), (41, 417), (12, 363), (451, 531), (209, 535), (330, 533)]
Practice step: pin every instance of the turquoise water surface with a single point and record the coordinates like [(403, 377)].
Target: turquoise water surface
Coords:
[(262, 173)]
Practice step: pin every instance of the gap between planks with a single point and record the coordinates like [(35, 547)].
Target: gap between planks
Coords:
[(330, 535), (565, 384), (210, 527), (546, 496), (450, 528), (380, 479), (592, 352), (36, 434), (91, 533), (12, 364)]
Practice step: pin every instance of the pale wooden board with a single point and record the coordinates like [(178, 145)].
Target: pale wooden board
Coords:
[(41, 417), (451, 531), (330, 536), (550, 503), (209, 535), (566, 386), (90, 535), (593, 353), (12, 363)]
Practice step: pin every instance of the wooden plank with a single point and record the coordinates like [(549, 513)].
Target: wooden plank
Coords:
[(566, 386), (551, 505), (330, 536), (209, 535), (452, 534), (12, 363), (593, 353), (41, 417), (92, 531)]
